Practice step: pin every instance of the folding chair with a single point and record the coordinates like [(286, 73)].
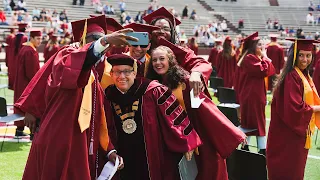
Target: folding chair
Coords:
[(226, 95), (4, 118), (216, 82), (245, 165)]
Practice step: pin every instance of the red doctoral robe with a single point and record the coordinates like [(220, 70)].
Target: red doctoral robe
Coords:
[(226, 69), (290, 117), (213, 57), (14, 64), (27, 66), (166, 130), (252, 92), (59, 150), (219, 136), (49, 51), (9, 59), (276, 54)]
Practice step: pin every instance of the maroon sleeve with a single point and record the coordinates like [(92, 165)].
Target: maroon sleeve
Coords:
[(196, 63), (31, 64), (256, 67), (292, 109), (177, 131)]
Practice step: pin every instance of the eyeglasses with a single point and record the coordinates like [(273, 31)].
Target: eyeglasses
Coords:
[(125, 72), (141, 46)]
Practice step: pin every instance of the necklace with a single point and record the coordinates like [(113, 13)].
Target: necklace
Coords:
[(129, 126)]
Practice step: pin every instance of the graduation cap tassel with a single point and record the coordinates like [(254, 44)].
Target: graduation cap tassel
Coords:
[(295, 52), (84, 34), (91, 147)]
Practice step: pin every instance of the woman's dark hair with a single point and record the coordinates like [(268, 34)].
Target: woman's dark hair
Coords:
[(175, 74), (227, 51), (18, 43), (288, 67), (174, 35), (249, 47)]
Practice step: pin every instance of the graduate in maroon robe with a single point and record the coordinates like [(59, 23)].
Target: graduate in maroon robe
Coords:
[(316, 72), (31, 101), (219, 136), (51, 48), (10, 56), (276, 54), (226, 63), (26, 67), (316, 54), (198, 67), (18, 40), (292, 115), (254, 67), (214, 52), (66, 146), (193, 45)]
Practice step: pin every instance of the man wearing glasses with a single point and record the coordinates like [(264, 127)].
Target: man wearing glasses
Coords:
[(147, 126)]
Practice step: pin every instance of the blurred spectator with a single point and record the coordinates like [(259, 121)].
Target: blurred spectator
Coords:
[(64, 27), (6, 6), (99, 8), (316, 36), (138, 18), (310, 19), (268, 24), (20, 17), (122, 6), (185, 12), (3, 19), (291, 32), (54, 14), (224, 26), (155, 5), (280, 28), (106, 8), (12, 5), (63, 16), (241, 23), (144, 13), (300, 33), (81, 2), (95, 2), (212, 28), (193, 15), (28, 19), (14, 19), (36, 14), (22, 5), (111, 10), (150, 9), (123, 17), (275, 24), (183, 35), (309, 36), (43, 14), (311, 6)]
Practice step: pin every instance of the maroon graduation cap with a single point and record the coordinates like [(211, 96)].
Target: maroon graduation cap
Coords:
[(162, 13)]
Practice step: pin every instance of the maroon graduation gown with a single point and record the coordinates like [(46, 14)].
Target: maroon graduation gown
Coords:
[(290, 117), (15, 57), (219, 136), (316, 76), (166, 130), (226, 69), (59, 150), (213, 56), (276, 54), (252, 93), (9, 59), (194, 49), (27, 67), (49, 51)]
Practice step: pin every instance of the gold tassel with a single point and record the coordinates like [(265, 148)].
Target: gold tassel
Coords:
[(308, 139), (295, 51), (84, 34), (135, 66)]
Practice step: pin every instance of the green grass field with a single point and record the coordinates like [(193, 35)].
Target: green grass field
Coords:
[(14, 155)]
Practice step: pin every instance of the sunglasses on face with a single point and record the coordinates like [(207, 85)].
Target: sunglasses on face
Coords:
[(141, 46)]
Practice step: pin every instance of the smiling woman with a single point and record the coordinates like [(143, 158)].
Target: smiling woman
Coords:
[(294, 114)]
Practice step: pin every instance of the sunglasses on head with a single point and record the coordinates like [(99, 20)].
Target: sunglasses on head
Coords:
[(141, 46)]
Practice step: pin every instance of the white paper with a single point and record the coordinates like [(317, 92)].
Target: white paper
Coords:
[(195, 101), (109, 170)]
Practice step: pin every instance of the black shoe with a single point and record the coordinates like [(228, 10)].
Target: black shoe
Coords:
[(31, 136), (262, 151), (246, 148), (20, 133)]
